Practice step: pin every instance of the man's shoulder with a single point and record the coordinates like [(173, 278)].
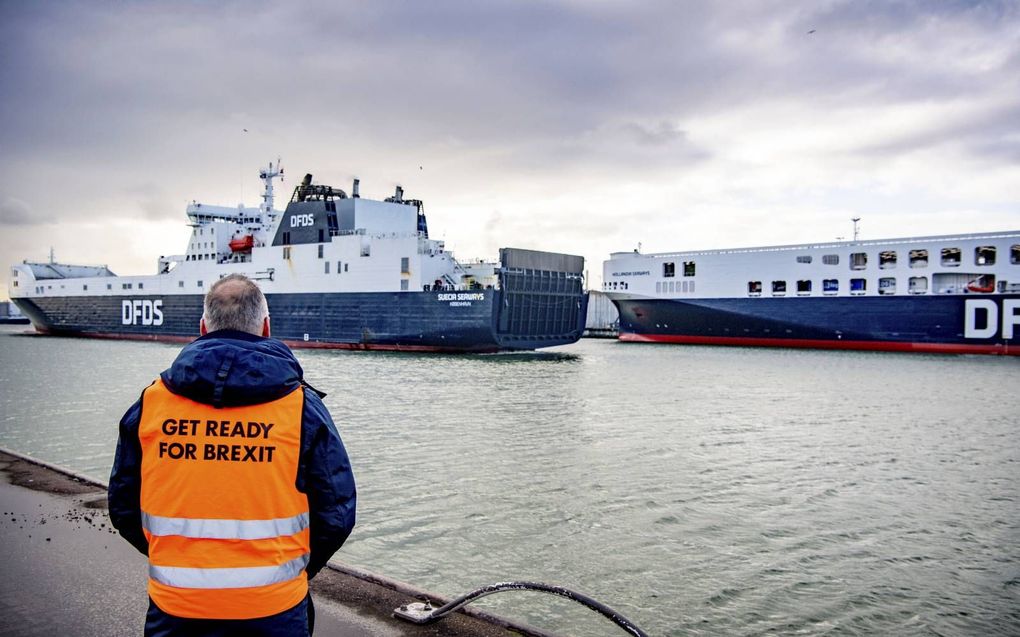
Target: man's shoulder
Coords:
[(313, 402)]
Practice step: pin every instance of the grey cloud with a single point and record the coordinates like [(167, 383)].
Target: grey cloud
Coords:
[(995, 133), (151, 201), (607, 89), (661, 134), (15, 212), (491, 73)]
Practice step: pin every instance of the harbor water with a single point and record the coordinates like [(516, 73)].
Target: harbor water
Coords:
[(697, 490)]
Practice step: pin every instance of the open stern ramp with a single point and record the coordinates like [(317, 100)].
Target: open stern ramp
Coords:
[(543, 302)]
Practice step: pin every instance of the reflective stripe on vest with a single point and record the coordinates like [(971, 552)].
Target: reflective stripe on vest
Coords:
[(228, 530), (245, 577), (214, 529)]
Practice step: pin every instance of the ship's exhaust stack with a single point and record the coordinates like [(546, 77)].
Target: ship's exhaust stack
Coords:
[(355, 193), (398, 196), (302, 190)]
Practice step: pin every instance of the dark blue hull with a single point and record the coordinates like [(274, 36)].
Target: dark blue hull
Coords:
[(463, 321), (986, 323)]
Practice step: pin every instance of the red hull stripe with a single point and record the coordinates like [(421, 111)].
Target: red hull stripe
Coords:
[(166, 338), (878, 346)]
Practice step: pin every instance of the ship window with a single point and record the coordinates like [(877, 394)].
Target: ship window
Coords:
[(804, 258), (286, 252), (830, 259), (918, 285), (688, 268), (84, 287), (125, 286), (858, 286), (345, 267), (754, 288), (668, 269), (326, 263), (830, 286), (320, 250), (286, 237), (858, 260), (200, 283), (887, 260), (366, 248), (804, 286), (338, 267), (984, 255), (887, 285), (321, 236), (109, 286), (1014, 254), (950, 257), (180, 284), (779, 287), (405, 265), (403, 285), (919, 258)]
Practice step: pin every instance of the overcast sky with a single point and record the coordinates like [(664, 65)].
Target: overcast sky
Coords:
[(578, 126)]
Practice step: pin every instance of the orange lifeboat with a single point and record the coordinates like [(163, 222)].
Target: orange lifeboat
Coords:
[(983, 284), (242, 244)]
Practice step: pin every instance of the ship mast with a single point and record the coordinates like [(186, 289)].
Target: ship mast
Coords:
[(267, 175)]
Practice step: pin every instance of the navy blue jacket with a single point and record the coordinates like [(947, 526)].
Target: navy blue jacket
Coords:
[(228, 369)]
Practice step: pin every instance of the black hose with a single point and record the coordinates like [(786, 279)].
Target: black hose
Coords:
[(463, 600)]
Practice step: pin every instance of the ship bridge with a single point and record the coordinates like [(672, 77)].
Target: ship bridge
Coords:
[(200, 214)]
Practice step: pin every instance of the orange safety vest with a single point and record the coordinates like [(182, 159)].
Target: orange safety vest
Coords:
[(227, 528)]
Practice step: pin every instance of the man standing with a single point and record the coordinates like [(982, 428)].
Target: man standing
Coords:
[(230, 475)]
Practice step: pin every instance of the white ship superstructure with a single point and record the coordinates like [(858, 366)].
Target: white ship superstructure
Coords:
[(953, 293)]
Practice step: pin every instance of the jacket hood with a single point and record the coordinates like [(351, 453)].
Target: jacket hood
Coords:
[(229, 369)]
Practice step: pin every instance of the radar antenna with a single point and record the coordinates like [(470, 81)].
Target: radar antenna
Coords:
[(857, 232), (267, 175)]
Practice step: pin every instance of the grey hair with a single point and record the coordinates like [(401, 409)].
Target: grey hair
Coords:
[(235, 302)]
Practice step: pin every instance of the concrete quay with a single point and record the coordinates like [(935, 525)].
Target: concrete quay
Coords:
[(66, 571)]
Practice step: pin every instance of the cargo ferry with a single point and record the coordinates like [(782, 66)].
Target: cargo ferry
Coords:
[(951, 293), (338, 271)]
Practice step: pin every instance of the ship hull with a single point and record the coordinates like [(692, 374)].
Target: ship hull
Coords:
[(938, 324), (474, 321)]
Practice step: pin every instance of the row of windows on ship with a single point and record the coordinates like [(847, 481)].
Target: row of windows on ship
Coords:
[(887, 259), (948, 257), (405, 269), (970, 283)]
